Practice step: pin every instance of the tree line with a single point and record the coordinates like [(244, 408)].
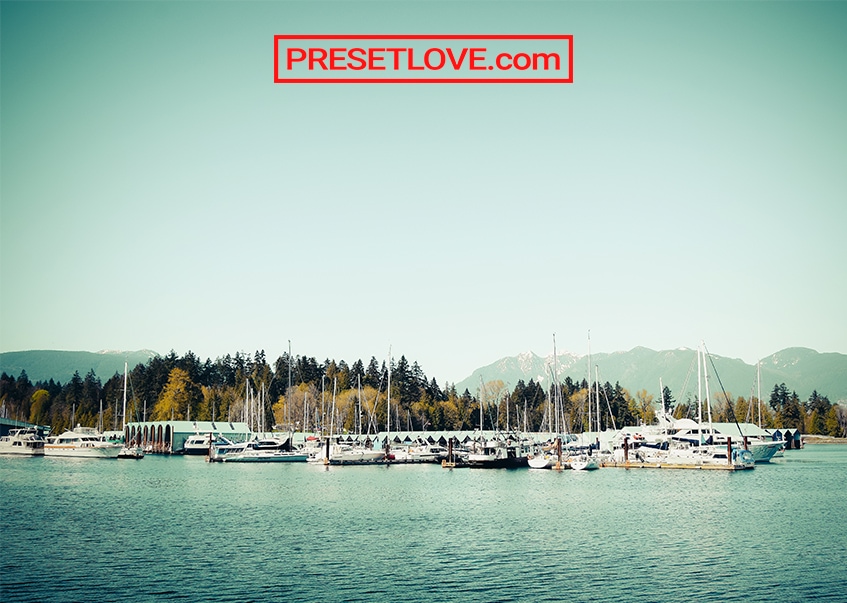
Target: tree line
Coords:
[(301, 394)]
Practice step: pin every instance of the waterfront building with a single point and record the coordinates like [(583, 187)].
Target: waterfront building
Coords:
[(168, 437)]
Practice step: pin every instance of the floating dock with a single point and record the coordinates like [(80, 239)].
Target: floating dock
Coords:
[(716, 466), (380, 462)]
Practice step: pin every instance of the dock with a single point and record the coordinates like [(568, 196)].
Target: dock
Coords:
[(716, 466), (380, 462)]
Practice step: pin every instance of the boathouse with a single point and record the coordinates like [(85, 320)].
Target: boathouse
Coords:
[(168, 437), (792, 437)]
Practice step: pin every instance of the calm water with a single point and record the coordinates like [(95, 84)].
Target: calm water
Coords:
[(181, 529)]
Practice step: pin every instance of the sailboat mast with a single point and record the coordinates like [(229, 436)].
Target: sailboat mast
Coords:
[(332, 412), (699, 398), (759, 390), (288, 394), (597, 382), (708, 397), (123, 421), (359, 411), (481, 398), (555, 389), (589, 380), (388, 414)]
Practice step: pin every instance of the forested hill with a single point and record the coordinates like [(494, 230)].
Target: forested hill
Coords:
[(60, 365), (338, 396)]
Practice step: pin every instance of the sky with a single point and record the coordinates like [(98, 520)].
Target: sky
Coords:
[(159, 191)]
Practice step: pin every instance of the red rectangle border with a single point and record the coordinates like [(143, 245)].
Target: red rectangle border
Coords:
[(566, 37)]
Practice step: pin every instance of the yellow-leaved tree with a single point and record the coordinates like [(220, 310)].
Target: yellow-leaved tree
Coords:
[(40, 400), (179, 399)]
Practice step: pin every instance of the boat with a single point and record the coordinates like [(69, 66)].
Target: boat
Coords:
[(22, 442), (420, 453), (337, 453), (763, 450), (256, 451), (499, 454), (129, 450), (542, 460), (691, 454), (198, 444), (547, 456), (334, 452), (584, 462), (83, 442)]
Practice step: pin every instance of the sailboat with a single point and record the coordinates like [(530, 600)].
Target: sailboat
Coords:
[(335, 452), (129, 450), (697, 444), (546, 457), (506, 450)]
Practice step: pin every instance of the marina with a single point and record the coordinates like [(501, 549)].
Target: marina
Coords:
[(158, 529)]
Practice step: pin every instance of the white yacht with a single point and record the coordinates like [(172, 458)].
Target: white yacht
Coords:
[(256, 451), (83, 442), (23, 442), (333, 452), (198, 443), (421, 453), (685, 453)]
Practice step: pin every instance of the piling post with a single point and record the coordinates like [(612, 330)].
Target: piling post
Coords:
[(558, 466), (729, 450), (626, 449)]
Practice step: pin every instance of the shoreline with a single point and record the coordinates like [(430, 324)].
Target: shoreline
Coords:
[(821, 439)]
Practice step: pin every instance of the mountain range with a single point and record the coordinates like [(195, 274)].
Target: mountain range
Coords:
[(801, 369), (60, 365)]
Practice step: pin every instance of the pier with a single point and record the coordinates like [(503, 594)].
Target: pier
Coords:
[(639, 465)]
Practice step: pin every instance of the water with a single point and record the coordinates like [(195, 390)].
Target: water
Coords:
[(180, 529)]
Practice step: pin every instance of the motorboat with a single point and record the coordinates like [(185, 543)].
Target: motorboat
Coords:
[(420, 453), (348, 453), (331, 451), (197, 444), (249, 454), (269, 450), (83, 442), (131, 452), (499, 454), (22, 442), (685, 453)]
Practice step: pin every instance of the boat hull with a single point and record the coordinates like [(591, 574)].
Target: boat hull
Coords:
[(763, 452), (261, 457), (21, 451), (88, 452), (497, 463), (542, 461), (584, 464)]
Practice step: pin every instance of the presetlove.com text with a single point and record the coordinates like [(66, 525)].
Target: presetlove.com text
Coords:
[(543, 58)]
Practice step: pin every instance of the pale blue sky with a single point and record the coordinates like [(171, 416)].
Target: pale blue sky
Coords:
[(159, 191)]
